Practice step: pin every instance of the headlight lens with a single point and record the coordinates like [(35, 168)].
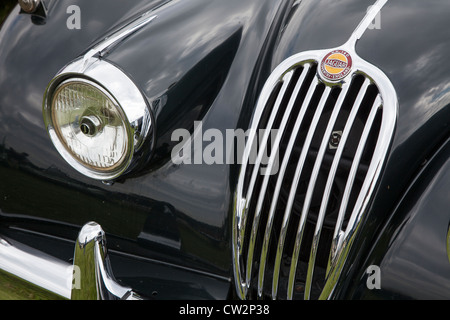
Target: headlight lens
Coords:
[(90, 125), (90, 129)]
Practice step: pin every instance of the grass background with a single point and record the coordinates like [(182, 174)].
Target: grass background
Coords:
[(13, 288)]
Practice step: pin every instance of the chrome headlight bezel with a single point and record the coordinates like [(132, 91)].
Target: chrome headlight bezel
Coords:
[(126, 96)]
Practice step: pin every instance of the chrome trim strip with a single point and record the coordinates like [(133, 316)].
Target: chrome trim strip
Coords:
[(365, 23), (36, 267), (106, 44)]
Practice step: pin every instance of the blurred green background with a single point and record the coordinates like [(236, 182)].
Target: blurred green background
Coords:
[(5, 7)]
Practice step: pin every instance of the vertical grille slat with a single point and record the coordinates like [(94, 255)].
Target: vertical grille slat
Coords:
[(282, 171), (292, 228), (328, 186), (287, 213), (244, 203), (338, 236), (311, 185), (292, 193), (286, 82)]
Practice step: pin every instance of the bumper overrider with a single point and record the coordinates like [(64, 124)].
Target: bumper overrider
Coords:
[(89, 277)]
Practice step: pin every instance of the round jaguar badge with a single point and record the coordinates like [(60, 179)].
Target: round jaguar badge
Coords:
[(336, 65)]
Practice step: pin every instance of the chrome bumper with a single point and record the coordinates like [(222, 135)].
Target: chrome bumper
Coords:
[(88, 278)]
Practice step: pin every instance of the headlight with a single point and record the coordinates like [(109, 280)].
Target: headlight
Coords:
[(91, 126), (97, 119), (29, 6)]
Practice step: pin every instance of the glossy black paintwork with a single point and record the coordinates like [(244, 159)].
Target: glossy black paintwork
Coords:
[(191, 204), (411, 49), (412, 250), (202, 60)]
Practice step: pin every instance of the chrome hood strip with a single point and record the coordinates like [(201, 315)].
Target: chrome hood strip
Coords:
[(365, 23), (106, 44)]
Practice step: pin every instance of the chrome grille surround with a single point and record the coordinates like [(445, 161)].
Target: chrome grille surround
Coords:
[(297, 94)]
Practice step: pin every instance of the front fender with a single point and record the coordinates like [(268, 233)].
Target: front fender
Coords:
[(412, 250)]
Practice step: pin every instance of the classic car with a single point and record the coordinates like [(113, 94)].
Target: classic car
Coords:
[(238, 149)]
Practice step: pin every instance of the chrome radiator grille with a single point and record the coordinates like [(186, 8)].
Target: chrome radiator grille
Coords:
[(294, 221)]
